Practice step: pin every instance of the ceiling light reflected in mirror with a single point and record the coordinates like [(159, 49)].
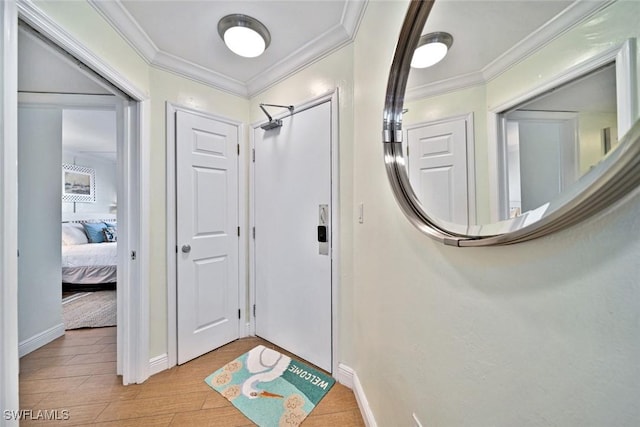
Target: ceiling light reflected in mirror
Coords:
[(432, 48)]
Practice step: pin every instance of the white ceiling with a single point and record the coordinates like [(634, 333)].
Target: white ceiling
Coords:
[(182, 36), (90, 133)]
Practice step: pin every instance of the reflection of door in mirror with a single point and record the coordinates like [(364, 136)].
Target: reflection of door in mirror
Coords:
[(553, 139), (542, 149), (438, 167)]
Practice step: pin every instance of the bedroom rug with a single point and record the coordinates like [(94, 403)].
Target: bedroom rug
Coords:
[(269, 388), (89, 310)]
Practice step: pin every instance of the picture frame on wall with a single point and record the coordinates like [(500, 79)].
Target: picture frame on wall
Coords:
[(78, 184)]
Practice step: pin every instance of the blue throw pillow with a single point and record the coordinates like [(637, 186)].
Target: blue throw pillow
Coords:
[(111, 224), (94, 231)]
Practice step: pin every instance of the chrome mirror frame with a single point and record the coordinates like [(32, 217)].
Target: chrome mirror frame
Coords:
[(619, 171)]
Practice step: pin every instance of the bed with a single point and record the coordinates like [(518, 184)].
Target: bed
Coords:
[(89, 254)]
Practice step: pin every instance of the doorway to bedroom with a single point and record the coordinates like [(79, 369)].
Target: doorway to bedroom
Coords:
[(89, 217), (71, 132)]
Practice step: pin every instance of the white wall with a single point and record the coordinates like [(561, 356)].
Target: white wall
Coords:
[(39, 196), (539, 333)]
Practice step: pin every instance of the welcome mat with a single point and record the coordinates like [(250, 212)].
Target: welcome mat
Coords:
[(89, 310), (269, 388)]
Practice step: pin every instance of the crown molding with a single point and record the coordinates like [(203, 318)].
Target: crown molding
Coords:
[(198, 73), (122, 21), (336, 37), (331, 40), (311, 52), (444, 86), (573, 15), (352, 16)]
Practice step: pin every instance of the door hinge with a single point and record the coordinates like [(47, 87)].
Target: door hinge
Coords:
[(238, 149), (238, 231), (253, 154), (254, 310), (239, 316), (254, 232), (176, 248), (133, 255)]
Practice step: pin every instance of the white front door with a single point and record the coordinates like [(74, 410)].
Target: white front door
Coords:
[(292, 184), (207, 238), (438, 168)]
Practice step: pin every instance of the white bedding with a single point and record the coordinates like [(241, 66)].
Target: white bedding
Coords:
[(90, 254), (91, 263)]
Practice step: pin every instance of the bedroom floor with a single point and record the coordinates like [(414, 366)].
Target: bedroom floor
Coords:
[(77, 373)]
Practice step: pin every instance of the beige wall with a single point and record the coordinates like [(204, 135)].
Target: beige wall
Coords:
[(539, 333)]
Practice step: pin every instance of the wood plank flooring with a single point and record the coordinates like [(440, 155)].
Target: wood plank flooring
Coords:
[(76, 373)]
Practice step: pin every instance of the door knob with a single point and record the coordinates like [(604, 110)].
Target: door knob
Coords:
[(186, 249)]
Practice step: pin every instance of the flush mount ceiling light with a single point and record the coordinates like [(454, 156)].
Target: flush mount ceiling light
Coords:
[(244, 35), (432, 48)]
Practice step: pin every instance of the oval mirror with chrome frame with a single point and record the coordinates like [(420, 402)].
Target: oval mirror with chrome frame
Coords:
[(507, 140)]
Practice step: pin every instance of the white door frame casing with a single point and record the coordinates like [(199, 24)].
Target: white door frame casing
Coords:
[(133, 341), (172, 284), (332, 98), (9, 365)]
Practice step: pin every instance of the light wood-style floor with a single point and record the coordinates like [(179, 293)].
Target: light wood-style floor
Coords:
[(77, 373)]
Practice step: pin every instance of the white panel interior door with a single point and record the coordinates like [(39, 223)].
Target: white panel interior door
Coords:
[(207, 220), (292, 278), (548, 147), (438, 169)]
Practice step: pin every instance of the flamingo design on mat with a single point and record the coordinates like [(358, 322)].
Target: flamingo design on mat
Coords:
[(266, 365)]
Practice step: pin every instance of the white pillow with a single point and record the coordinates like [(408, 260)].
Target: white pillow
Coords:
[(73, 234)]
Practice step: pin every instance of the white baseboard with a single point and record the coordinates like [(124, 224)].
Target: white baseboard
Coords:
[(345, 375), (35, 342), (158, 364), (349, 378), (246, 331)]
